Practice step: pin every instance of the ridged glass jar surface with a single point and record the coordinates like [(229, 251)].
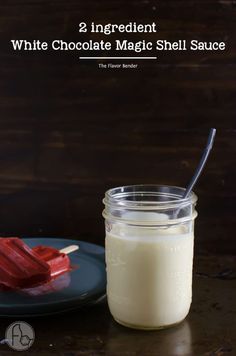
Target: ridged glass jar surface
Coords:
[(149, 254)]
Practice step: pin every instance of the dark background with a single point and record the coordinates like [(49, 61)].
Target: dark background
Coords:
[(69, 131)]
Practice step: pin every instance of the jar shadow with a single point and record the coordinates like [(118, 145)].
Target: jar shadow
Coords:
[(172, 341)]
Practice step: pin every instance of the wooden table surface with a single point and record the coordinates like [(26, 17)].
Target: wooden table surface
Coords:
[(208, 330)]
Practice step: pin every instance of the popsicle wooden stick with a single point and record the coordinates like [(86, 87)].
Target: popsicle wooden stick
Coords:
[(69, 249)]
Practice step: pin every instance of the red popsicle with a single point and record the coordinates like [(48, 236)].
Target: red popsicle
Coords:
[(55, 285), (20, 266), (58, 261)]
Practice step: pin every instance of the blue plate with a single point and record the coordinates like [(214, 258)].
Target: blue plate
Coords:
[(85, 284)]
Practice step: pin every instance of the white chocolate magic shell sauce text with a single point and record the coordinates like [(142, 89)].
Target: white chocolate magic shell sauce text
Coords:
[(149, 254)]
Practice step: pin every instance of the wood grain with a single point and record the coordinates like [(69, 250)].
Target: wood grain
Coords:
[(69, 131), (92, 330)]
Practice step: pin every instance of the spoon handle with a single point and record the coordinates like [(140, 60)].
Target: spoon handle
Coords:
[(202, 163)]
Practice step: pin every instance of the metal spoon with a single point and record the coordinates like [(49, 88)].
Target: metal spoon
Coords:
[(202, 163)]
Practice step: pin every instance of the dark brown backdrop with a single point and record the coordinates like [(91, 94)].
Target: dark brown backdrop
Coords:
[(69, 131)]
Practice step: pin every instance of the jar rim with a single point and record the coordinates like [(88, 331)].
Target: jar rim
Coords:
[(148, 196)]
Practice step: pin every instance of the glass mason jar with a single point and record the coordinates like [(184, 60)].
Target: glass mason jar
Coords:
[(149, 254)]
